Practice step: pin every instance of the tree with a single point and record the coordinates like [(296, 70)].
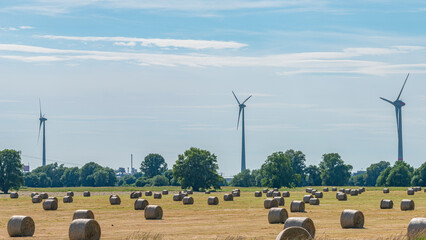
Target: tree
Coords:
[(381, 180), (399, 176), (159, 180), (87, 170), (313, 177), (419, 176), (277, 171), (93, 174), (197, 168), (45, 181), (54, 172), (357, 180), (297, 159), (373, 172), (129, 179), (71, 177), (10, 170), (243, 179), (334, 172), (153, 165), (31, 180), (141, 182)]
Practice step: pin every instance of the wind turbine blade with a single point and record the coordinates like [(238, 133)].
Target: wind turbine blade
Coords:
[(239, 114), (403, 86), (236, 97), (39, 129), (39, 102), (247, 99), (384, 99)]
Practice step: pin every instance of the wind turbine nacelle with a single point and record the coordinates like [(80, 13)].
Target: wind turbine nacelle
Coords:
[(399, 103), (242, 105)]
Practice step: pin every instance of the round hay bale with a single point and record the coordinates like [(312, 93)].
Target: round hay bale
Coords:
[(385, 190), (334, 189), (44, 195), (407, 204), (265, 190), (325, 189), (415, 189), (83, 214), (286, 194), (417, 228), (140, 204), (313, 192), (139, 193), (165, 192), (134, 195), (362, 189), (183, 193), (86, 194), (235, 193), (207, 192), (84, 229), (280, 200), (114, 200), (50, 204), (258, 194), (341, 190), (269, 194), (314, 201), (67, 199), (292, 233), (148, 193), (318, 195), (348, 191), (306, 198), (359, 190), (276, 194), (14, 195), (228, 197), (277, 215), (297, 206), (33, 194), (424, 189), (275, 189), (177, 197), (188, 201), (53, 198), (37, 199), (157, 195), (302, 222), (20, 226), (352, 219), (189, 191), (354, 192), (70, 193), (410, 191), (308, 190), (237, 190), (386, 204), (341, 196), (212, 200), (270, 203), (153, 212)]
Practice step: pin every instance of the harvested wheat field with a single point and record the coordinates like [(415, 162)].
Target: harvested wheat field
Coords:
[(243, 218)]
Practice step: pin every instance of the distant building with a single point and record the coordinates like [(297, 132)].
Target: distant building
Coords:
[(358, 173), (26, 168)]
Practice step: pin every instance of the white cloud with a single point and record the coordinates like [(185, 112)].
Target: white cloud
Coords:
[(126, 44), (26, 27), (148, 42), (15, 28)]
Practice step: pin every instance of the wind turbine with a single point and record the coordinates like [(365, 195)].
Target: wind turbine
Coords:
[(243, 148), (398, 104), (43, 122)]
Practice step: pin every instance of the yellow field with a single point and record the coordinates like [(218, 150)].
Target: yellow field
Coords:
[(244, 218)]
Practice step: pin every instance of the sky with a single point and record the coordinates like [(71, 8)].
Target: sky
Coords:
[(136, 77)]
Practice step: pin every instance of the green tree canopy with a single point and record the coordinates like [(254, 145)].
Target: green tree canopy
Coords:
[(277, 171), (243, 179), (419, 176), (93, 174), (10, 170), (159, 180), (313, 176), (71, 177), (334, 172), (153, 165), (357, 180), (398, 175), (54, 172), (381, 180), (197, 168), (373, 172), (297, 159)]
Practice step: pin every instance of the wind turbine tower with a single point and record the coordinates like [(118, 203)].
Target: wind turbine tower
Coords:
[(243, 148), (43, 122), (398, 104)]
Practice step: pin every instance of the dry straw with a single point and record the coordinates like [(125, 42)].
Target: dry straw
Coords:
[(280, 200), (385, 190), (277, 215), (235, 193), (44, 195), (50, 204), (134, 195), (165, 192), (407, 204), (386, 204), (37, 199), (314, 201), (228, 197), (207, 192), (140, 204), (14, 195), (294, 233), (70, 193), (341, 196), (308, 190), (258, 194), (286, 194), (188, 201), (276, 194), (83, 214), (417, 228), (313, 192), (148, 193), (265, 190), (334, 189), (157, 195), (297, 206), (33, 194), (177, 197), (84, 229), (352, 219), (270, 203), (20, 226), (189, 191), (86, 194), (213, 201), (302, 222), (67, 199), (348, 191), (114, 200), (318, 194), (410, 191), (269, 194), (325, 189), (306, 198), (354, 192), (153, 212)]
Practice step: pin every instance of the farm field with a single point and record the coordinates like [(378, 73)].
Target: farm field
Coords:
[(243, 218)]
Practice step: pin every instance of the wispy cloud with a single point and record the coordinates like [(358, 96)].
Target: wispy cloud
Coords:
[(148, 42), (15, 28)]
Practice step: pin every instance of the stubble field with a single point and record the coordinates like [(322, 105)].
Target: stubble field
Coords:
[(243, 218)]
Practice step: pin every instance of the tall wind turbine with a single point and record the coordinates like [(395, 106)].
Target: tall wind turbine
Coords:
[(43, 122), (243, 148), (398, 104)]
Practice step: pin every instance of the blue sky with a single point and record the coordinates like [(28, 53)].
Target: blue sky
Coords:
[(122, 77)]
